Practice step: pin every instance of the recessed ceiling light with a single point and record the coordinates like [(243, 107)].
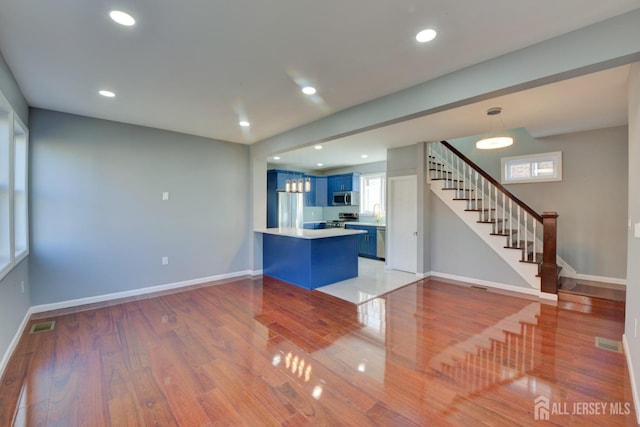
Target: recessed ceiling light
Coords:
[(318, 147), (244, 123), (364, 156), (309, 90), (107, 93), (276, 157), (122, 18), (320, 164), (426, 35)]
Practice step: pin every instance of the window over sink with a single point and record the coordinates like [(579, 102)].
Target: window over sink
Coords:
[(372, 194)]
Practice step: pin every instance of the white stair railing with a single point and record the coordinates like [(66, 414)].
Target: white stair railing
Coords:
[(508, 216)]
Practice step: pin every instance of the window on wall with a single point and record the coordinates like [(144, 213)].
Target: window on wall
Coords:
[(14, 225), (20, 214), (372, 194), (5, 190), (542, 167)]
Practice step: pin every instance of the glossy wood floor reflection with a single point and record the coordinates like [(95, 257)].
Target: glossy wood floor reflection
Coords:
[(261, 352)]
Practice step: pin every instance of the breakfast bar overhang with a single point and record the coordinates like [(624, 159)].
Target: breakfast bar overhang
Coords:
[(310, 258)]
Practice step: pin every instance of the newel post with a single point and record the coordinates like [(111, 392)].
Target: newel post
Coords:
[(549, 268)]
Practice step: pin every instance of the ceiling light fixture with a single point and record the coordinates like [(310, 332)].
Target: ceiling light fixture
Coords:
[(276, 157), (364, 156), (494, 141), (244, 123), (309, 90), (318, 147), (320, 164), (426, 35), (122, 18), (107, 93)]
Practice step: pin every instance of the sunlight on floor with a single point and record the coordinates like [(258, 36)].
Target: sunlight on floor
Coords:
[(373, 280)]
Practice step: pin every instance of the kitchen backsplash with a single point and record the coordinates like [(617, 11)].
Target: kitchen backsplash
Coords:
[(326, 213)]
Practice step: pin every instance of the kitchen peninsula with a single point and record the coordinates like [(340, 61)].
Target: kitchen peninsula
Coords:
[(310, 258)]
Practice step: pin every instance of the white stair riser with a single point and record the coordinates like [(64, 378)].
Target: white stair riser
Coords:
[(512, 257)]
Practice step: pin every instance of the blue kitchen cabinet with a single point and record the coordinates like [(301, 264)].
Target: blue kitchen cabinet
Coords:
[(342, 182), (367, 243), (319, 191)]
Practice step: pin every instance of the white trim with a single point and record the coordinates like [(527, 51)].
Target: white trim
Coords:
[(257, 272), (496, 285), (134, 292), (14, 342), (634, 389), (603, 279)]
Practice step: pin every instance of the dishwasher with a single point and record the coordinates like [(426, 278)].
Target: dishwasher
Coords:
[(380, 237)]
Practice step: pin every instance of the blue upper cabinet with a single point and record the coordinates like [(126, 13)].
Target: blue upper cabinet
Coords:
[(320, 191), (342, 182)]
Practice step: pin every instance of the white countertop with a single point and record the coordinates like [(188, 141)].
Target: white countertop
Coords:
[(302, 233)]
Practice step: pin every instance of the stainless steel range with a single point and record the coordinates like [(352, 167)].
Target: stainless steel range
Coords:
[(342, 218)]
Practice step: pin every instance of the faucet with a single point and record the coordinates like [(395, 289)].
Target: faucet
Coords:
[(376, 215)]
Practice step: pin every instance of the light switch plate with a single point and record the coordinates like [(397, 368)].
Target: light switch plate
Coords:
[(165, 195), (636, 230)]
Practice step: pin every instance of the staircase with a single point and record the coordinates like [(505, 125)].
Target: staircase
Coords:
[(525, 239)]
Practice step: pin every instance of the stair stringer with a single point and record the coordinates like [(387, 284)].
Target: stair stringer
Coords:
[(527, 271)]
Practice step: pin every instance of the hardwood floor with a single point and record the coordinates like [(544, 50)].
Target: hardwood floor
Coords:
[(261, 352)]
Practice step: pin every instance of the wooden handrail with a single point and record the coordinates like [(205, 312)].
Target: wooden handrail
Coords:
[(489, 178)]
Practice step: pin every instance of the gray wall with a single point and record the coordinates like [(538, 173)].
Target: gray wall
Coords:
[(458, 250), (401, 161), (11, 91), (14, 304), (591, 199), (633, 267), (98, 223)]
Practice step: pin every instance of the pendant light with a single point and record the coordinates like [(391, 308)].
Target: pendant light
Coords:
[(495, 140)]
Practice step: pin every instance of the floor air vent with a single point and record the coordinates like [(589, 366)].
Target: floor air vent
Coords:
[(42, 327), (610, 345)]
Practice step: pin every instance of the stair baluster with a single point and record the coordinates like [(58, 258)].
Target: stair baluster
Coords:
[(482, 193)]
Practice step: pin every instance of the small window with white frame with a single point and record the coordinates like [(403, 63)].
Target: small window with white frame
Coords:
[(543, 167), (372, 194)]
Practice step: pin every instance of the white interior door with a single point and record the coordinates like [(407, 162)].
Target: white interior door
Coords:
[(402, 223)]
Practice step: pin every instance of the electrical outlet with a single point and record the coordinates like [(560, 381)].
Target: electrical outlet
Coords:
[(165, 195), (165, 260)]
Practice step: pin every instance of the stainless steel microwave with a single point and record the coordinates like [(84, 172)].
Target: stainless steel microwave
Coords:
[(346, 198)]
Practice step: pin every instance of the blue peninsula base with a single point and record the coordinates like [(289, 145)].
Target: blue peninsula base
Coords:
[(310, 263)]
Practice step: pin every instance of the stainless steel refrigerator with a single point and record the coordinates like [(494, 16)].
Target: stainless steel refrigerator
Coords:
[(290, 210)]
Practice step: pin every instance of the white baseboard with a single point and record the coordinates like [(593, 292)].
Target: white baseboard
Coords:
[(603, 279), (14, 342), (135, 292), (496, 285), (634, 388), (257, 272)]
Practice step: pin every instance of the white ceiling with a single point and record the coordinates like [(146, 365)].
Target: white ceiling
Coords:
[(200, 66), (593, 101)]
